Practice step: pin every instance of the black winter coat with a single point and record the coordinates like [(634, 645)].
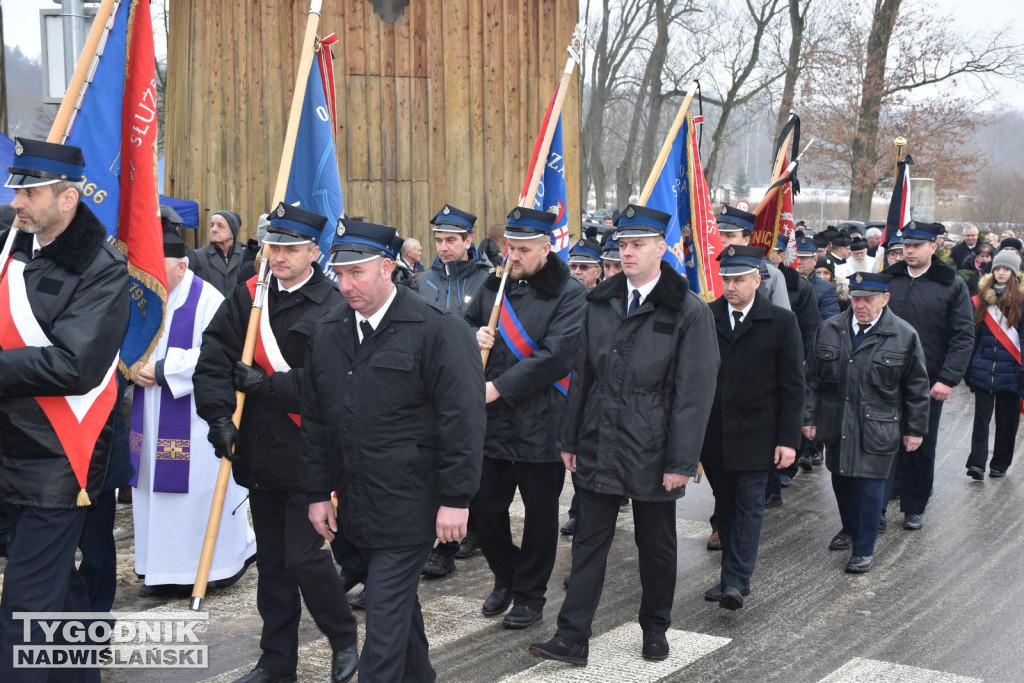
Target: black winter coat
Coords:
[(863, 402), (396, 424), (523, 424), (993, 368), (759, 397), (641, 388), (78, 290), (269, 448), (212, 268), (938, 306), (804, 304)]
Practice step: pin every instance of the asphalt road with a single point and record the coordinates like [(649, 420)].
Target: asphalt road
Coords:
[(942, 604)]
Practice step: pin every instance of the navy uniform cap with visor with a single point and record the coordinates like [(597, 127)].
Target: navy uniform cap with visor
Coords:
[(450, 219), (292, 225), (781, 242), (610, 251), (358, 242), (895, 242), (738, 259), (806, 247), (526, 224), (39, 163), (641, 221), (915, 232), (866, 284), (732, 220), (585, 251)]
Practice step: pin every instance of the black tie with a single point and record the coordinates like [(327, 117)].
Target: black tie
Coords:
[(366, 328), (738, 317), (862, 330), (634, 303)]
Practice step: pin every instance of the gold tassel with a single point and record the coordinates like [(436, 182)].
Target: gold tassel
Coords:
[(83, 499)]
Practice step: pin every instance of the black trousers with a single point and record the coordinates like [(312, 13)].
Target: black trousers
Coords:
[(858, 499), (1007, 410), (40, 577), (524, 569), (395, 646), (739, 512), (348, 557), (655, 536), (99, 553), (915, 471), (290, 558)]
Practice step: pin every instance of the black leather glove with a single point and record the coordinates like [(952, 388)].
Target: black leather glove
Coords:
[(224, 437), (247, 379)]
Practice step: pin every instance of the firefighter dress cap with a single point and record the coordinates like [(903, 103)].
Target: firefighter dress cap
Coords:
[(738, 259), (525, 224), (866, 284), (806, 247), (356, 242), (733, 220), (38, 163), (915, 232), (641, 221), (585, 251), (450, 219), (610, 251), (292, 225)]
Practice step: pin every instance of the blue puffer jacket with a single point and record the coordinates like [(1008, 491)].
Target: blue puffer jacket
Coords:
[(992, 367)]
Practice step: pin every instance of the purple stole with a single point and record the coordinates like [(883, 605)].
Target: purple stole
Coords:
[(174, 429)]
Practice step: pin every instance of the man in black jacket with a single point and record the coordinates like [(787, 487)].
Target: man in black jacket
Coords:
[(289, 553), (527, 373), (755, 420), (867, 392), (393, 421), (928, 294), (64, 308), (642, 386), (219, 261)]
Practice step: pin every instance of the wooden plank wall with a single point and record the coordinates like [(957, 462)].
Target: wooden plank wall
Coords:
[(443, 104)]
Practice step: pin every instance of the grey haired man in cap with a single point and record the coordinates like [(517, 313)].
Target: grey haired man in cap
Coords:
[(219, 261)]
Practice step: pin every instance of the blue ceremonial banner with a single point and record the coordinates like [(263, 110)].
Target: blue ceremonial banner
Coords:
[(670, 195), (551, 194), (6, 159), (313, 183)]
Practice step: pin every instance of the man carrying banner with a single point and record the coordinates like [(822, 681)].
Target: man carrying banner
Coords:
[(64, 309), (527, 378), (289, 554), (175, 470), (643, 384)]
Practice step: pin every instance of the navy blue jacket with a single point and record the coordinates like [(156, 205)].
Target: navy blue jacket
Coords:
[(825, 292), (992, 367)]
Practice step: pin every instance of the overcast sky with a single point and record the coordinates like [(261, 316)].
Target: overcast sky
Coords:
[(21, 29)]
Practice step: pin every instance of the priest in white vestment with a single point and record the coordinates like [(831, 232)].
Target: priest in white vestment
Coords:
[(175, 465)]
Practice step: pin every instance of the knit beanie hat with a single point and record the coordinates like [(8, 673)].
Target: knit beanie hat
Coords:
[(1007, 259), (233, 220)]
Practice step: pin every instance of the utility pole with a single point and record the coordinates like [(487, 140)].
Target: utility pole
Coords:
[(3, 74), (73, 20)]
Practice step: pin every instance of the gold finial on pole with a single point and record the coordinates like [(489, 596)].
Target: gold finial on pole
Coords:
[(902, 128)]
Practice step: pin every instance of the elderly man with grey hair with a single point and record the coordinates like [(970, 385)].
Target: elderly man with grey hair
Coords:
[(967, 249), (873, 238)]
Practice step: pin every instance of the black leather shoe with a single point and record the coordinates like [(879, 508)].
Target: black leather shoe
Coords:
[(996, 473), (819, 458), (655, 647), (883, 524), (569, 528), (522, 616), (562, 650), (497, 602), (975, 473), (261, 675), (714, 541), (468, 547), (785, 481), (840, 541), (349, 582), (731, 598), (805, 463), (912, 522), (359, 601), (343, 668), (859, 564), (773, 501), (714, 594), (438, 565)]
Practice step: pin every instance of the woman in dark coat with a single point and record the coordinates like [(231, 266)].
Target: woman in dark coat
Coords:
[(995, 375)]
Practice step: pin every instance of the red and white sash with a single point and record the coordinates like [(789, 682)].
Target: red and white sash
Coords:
[(76, 420), (268, 354), (995, 321)]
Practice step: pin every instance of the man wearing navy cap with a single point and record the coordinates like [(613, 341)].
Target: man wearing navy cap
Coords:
[(527, 375), (611, 258), (632, 427), (894, 249), (393, 421), (928, 294), (64, 309), (824, 291), (585, 262), (452, 281), (290, 555), (735, 227), (755, 419), (867, 397)]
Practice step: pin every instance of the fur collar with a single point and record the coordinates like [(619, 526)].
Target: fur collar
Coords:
[(671, 290), (988, 293), (938, 271), (549, 280), (76, 247)]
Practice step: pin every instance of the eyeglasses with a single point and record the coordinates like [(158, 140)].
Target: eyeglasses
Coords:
[(581, 266)]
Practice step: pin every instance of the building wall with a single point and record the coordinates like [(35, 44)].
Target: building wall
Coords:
[(438, 101)]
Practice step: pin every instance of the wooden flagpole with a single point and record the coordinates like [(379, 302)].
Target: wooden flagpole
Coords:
[(575, 50), (777, 170), (249, 348), (666, 147)]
